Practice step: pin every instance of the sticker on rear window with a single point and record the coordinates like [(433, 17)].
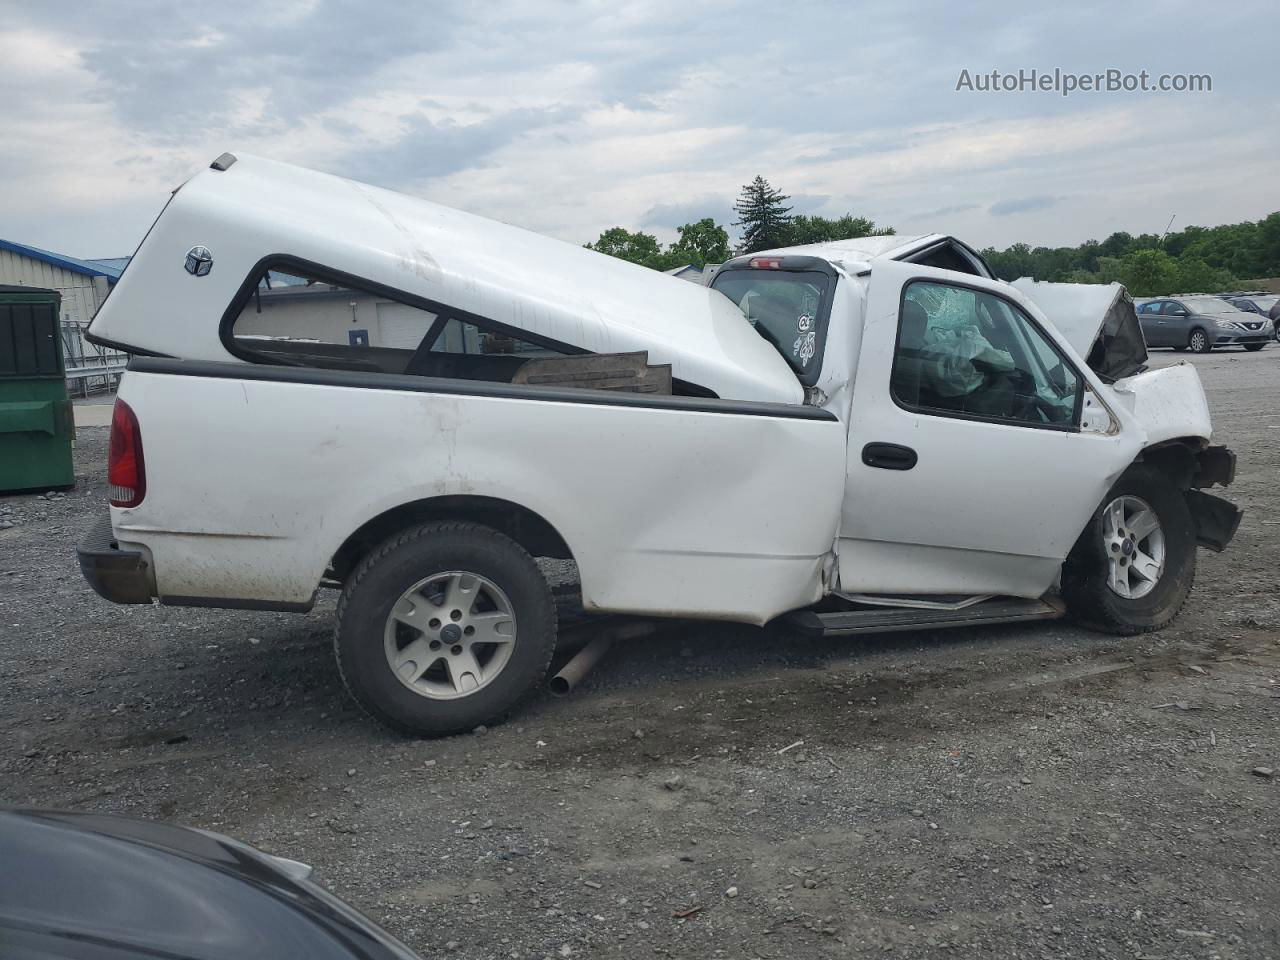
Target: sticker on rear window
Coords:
[(805, 346)]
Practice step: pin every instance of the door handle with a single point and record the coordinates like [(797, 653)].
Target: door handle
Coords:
[(888, 456)]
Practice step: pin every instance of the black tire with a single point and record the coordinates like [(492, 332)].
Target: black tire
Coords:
[(1198, 341), (1092, 603), (392, 568), (1254, 347)]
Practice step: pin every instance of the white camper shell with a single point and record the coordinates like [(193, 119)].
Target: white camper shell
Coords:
[(336, 385)]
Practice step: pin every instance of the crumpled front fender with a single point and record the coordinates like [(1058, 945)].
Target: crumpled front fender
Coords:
[(1168, 403)]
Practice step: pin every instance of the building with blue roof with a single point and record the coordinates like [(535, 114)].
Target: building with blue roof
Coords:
[(84, 284)]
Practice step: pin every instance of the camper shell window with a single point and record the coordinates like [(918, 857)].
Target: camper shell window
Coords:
[(297, 317), (291, 313)]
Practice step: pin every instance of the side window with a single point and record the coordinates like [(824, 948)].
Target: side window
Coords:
[(965, 352), (297, 320)]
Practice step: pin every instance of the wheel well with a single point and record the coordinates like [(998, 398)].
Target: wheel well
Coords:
[(1178, 459), (519, 523)]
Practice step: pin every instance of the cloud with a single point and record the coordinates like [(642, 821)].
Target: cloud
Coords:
[(941, 212), (427, 149), (1004, 208), (569, 119), (673, 215), (176, 68)]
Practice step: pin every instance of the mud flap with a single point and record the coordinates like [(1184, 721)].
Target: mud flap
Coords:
[(1216, 520)]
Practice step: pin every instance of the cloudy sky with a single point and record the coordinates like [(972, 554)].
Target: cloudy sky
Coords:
[(572, 117)]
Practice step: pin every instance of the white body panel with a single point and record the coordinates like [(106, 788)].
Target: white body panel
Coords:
[(1168, 403), (989, 507), (254, 483), (673, 512), (259, 208)]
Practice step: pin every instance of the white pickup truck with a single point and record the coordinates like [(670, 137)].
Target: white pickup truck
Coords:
[(336, 385)]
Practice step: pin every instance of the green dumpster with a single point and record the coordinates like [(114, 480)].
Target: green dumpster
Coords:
[(36, 426)]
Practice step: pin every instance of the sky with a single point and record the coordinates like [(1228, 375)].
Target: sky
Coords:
[(572, 117)]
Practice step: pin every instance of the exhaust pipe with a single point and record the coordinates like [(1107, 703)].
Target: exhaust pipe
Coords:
[(582, 662)]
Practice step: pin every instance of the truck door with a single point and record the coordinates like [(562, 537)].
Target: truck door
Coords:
[(967, 469)]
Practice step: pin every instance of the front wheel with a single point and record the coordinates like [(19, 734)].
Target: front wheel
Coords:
[(444, 627), (1133, 566), (1254, 347), (1199, 342)]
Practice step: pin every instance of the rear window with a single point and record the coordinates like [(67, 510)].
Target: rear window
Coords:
[(787, 308)]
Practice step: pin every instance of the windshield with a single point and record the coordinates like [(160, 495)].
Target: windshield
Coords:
[(785, 308), (1210, 305)]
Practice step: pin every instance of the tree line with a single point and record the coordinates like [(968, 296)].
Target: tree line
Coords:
[(766, 222), (1191, 260)]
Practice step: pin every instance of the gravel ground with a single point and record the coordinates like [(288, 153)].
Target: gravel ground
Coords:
[(1030, 791)]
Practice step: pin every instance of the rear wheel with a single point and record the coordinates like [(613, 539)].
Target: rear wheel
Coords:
[(444, 627), (1254, 347), (1134, 564), (1199, 342)]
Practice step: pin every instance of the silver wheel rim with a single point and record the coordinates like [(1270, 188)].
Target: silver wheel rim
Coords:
[(450, 635), (1134, 544), (1197, 341)]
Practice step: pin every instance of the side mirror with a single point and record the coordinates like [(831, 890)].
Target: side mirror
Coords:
[(1178, 313)]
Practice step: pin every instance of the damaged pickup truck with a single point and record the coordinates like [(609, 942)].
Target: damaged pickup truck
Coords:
[(336, 385)]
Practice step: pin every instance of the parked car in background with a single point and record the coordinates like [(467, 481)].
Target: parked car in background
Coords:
[(1265, 305), (84, 886), (1200, 323)]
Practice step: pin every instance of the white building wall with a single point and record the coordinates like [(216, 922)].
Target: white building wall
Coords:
[(81, 296)]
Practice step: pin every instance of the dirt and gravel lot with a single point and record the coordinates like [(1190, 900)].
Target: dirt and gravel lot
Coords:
[(1019, 792)]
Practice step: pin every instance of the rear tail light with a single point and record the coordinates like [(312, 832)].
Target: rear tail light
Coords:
[(126, 472), (765, 263)]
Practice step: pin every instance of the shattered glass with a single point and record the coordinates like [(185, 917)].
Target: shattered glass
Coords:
[(969, 352)]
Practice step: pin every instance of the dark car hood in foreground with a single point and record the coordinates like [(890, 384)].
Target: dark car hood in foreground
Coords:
[(91, 886)]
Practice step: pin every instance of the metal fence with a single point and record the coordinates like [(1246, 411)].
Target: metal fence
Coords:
[(90, 368)]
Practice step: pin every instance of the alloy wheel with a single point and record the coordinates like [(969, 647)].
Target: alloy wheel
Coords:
[(450, 634), (1134, 543)]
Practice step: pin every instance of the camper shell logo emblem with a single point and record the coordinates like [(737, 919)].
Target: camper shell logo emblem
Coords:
[(199, 261)]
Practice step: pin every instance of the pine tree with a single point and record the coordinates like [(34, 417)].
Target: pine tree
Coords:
[(764, 219)]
